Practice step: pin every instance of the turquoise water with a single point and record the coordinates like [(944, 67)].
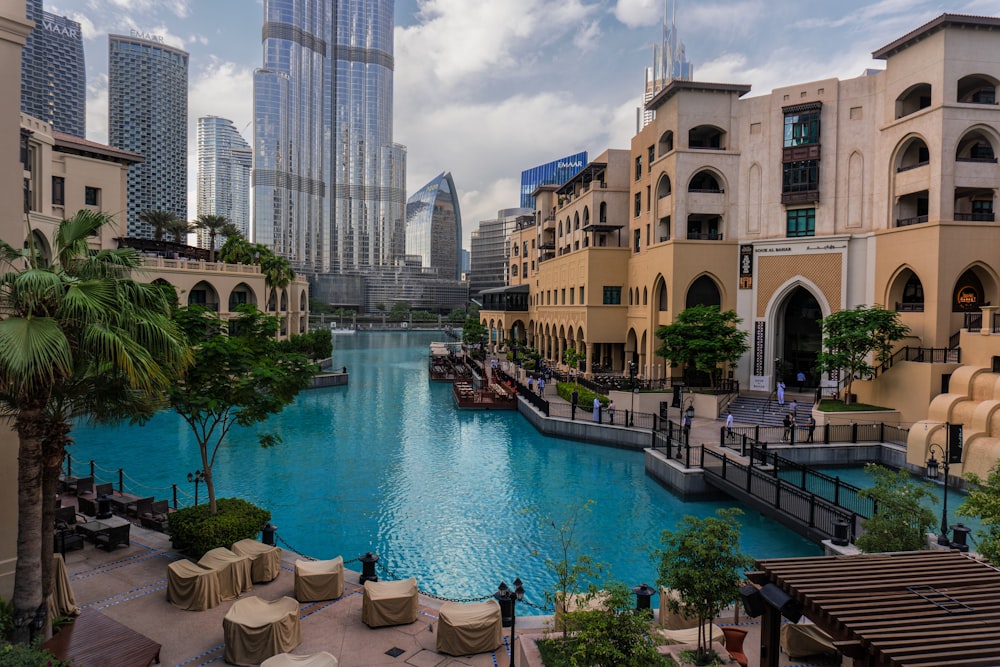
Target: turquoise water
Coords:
[(459, 499)]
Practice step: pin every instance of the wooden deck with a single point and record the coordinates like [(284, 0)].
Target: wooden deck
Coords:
[(95, 640), (493, 397)]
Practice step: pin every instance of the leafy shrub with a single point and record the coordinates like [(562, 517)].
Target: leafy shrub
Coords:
[(20, 655), (194, 531), (565, 390)]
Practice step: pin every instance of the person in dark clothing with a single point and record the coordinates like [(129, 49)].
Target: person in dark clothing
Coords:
[(787, 421), (811, 424), (573, 401)]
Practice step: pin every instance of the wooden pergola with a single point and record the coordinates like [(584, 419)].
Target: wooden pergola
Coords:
[(904, 609)]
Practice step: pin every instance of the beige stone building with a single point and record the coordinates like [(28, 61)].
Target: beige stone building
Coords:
[(794, 204), (47, 176)]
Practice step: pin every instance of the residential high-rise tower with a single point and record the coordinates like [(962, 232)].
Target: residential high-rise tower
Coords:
[(328, 182), (53, 72), (434, 226), (147, 114), (224, 162)]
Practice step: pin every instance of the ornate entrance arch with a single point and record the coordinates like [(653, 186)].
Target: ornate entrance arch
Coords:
[(798, 337)]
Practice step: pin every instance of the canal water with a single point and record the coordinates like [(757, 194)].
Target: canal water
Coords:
[(459, 499)]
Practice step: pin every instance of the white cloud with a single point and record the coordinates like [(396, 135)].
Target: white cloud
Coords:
[(178, 8), (97, 108), (586, 39), (637, 13)]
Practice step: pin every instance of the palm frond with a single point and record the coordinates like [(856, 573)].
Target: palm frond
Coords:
[(34, 351)]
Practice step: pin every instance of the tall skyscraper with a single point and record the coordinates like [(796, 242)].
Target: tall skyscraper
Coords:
[(556, 172), (147, 114), (328, 182), (434, 227), (669, 63), (491, 249), (53, 72), (224, 163)]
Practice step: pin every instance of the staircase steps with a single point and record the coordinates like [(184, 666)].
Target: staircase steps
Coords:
[(750, 410)]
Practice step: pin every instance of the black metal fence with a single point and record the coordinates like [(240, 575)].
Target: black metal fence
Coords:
[(807, 508), (602, 415), (674, 442), (740, 438)]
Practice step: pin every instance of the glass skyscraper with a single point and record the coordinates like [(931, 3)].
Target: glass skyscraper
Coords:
[(556, 172), (328, 182), (224, 162), (53, 72), (434, 227), (147, 114)]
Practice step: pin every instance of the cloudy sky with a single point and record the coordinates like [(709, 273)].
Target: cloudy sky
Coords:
[(487, 88)]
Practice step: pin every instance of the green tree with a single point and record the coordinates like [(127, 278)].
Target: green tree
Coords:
[(613, 635), (277, 270), (850, 336), (160, 220), (237, 250), (983, 502), (701, 561), (213, 224), (572, 358), (78, 338), (900, 521), (473, 332), (180, 229), (457, 315), (400, 310), (239, 375), (703, 337), (571, 570)]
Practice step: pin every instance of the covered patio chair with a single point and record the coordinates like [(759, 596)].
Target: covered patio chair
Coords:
[(234, 571), (465, 629), (319, 579), (321, 659), (265, 560), (193, 587), (389, 602), (256, 629)]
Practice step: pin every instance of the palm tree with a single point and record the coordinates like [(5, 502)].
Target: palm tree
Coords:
[(215, 224), (160, 220), (180, 228), (277, 270), (77, 337)]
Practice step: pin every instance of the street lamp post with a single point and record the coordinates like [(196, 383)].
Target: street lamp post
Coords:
[(508, 600), (932, 474), (197, 477), (632, 370)]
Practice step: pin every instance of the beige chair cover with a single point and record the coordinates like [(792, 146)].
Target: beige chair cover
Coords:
[(389, 602), (690, 635), (256, 629), (671, 620), (61, 602), (319, 579), (464, 629), (234, 571), (799, 640), (265, 560), (321, 659), (193, 587)]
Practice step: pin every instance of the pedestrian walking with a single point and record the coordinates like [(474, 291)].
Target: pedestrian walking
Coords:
[(781, 392), (787, 422), (531, 383), (574, 399), (811, 423), (541, 385), (597, 409), (793, 406), (800, 377), (729, 424), (791, 430), (611, 412)]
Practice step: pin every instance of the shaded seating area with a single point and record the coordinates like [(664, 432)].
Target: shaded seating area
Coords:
[(84, 486), (265, 560), (319, 579), (233, 570), (912, 608), (113, 537), (94, 640), (193, 587), (158, 518), (256, 629), (321, 659), (465, 629), (86, 507), (65, 538), (389, 603)]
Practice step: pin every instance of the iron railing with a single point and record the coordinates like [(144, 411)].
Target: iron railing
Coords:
[(745, 437)]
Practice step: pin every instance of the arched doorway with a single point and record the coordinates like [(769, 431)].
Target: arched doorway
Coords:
[(799, 337)]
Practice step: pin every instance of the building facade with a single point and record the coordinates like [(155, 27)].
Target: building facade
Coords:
[(807, 200), (551, 173), (224, 163), (328, 181), (54, 73), (147, 114), (490, 247), (434, 227)]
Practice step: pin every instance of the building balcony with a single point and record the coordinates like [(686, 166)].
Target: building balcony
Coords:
[(703, 236), (915, 220), (803, 197), (976, 216)]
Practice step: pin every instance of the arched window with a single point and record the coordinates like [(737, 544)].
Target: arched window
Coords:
[(645, 296), (703, 292), (661, 288), (913, 295), (576, 221), (603, 212)]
